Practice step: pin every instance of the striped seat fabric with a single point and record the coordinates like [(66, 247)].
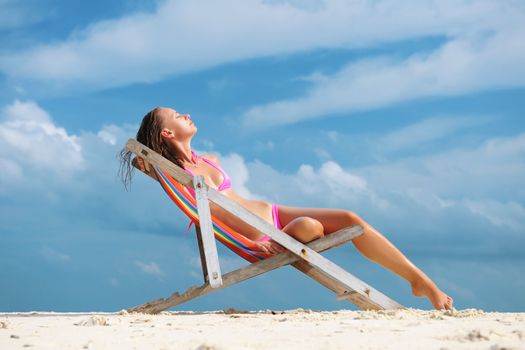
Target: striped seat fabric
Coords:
[(239, 244)]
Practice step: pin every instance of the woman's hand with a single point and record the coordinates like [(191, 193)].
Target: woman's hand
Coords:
[(270, 246)]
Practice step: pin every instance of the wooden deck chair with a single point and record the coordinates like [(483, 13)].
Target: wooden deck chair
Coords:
[(304, 257)]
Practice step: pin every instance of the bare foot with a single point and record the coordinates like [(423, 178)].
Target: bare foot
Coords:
[(424, 287)]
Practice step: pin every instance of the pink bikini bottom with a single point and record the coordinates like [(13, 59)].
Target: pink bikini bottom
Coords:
[(276, 221)]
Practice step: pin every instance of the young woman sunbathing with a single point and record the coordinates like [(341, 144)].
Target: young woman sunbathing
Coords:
[(170, 133)]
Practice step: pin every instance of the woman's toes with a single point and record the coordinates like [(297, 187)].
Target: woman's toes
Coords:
[(450, 302)]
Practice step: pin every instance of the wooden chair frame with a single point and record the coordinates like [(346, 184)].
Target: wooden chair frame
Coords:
[(304, 257)]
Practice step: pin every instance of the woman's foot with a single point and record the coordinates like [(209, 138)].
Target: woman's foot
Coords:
[(424, 287)]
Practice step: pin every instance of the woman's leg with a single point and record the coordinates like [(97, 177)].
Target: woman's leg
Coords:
[(374, 246)]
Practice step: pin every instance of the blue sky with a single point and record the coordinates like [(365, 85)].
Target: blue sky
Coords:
[(409, 113)]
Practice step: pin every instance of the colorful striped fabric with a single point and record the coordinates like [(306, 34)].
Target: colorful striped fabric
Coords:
[(241, 245)]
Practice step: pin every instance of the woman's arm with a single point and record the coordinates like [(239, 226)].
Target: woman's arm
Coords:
[(244, 229), (234, 222), (239, 225)]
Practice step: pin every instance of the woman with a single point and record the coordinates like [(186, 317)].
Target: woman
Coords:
[(169, 133)]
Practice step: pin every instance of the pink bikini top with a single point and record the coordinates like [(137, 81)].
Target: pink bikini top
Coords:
[(226, 182)]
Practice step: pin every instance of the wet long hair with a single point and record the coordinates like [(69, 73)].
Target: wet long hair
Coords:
[(149, 135)]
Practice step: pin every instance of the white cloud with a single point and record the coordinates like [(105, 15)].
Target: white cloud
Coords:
[(460, 66), (71, 179), (507, 215), (474, 191), (310, 5), (116, 135), (329, 185), (181, 37), (10, 170), (14, 14), (322, 154), (30, 140), (426, 131), (235, 167), (334, 176), (482, 182), (149, 268), (493, 169), (428, 199), (107, 135)]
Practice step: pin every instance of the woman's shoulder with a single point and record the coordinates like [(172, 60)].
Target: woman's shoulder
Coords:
[(213, 157)]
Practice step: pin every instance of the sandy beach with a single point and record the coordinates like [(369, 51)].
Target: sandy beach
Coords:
[(265, 329)]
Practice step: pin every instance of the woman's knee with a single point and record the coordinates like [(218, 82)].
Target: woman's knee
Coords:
[(353, 218), (315, 227)]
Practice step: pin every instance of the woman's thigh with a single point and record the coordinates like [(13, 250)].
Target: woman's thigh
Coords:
[(331, 219)]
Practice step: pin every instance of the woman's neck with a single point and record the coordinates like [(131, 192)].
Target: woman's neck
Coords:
[(185, 153)]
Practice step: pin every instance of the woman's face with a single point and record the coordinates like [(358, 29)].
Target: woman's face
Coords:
[(176, 125)]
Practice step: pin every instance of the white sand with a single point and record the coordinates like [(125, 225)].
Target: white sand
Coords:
[(292, 329)]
